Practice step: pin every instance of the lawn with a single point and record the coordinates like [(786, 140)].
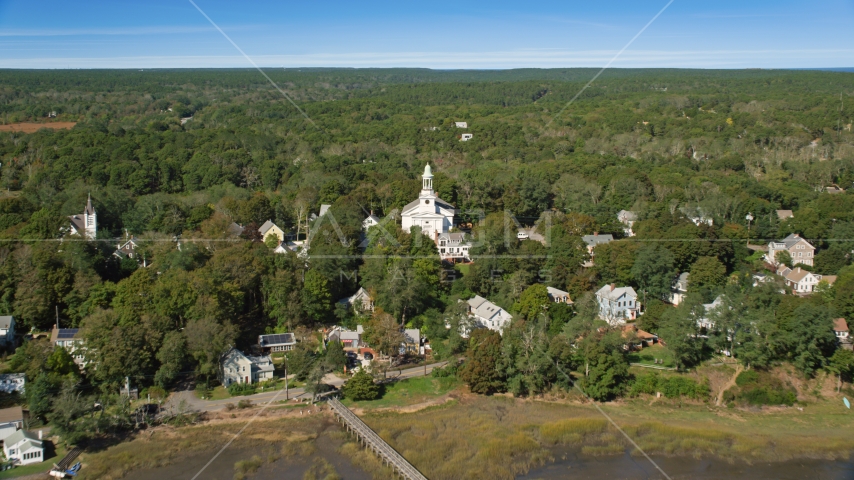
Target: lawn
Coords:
[(648, 355), (409, 392), (53, 455), (221, 393)]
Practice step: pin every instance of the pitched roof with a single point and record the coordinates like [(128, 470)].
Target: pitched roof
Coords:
[(267, 226), (682, 282), (483, 308), (16, 414), (235, 229), (64, 334), (276, 339), (797, 274), (606, 292), (792, 240), (453, 237), (594, 240), (711, 306), (438, 202), (78, 223), (6, 321), (784, 214), (554, 292), (412, 335), (21, 435), (90, 210), (627, 216), (840, 325)]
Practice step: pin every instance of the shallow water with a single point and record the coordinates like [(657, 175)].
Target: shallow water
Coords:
[(628, 467)]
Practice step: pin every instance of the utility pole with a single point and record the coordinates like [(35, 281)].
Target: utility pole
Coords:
[(286, 378)]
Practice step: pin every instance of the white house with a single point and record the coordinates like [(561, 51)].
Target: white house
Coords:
[(708, 308), (679, 289), (361, 301), (466, 137), (370, 221), (86, 223), (11, 420), (24, 448), (452, 246), (799, 249), (411, 341), (7, 330), (277, 342), (71, 340), (558, 296), (616, 305), (487, 314), (801, 281), (628, 219), (13, 382), (236, 367), (429, 212), (461, 124)]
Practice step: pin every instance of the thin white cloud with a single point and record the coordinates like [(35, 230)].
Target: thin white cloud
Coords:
[(150, 30), (538, 58)]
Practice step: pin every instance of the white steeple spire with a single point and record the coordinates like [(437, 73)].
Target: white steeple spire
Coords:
[(427, 180)]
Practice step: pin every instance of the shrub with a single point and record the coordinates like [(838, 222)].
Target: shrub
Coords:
[(757, 388), (229, 407), (671, 386), (747, 377), (240, 389), (361, 387), (449, 370), (244, 404)]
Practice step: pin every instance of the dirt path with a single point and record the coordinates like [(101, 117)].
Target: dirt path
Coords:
[(728, 385)]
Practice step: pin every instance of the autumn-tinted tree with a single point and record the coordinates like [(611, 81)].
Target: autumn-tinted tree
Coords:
[(481, 371)]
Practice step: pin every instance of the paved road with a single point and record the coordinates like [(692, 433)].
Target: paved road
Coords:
[(193, 402)]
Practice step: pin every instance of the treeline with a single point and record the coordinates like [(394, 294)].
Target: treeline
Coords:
[(668, 145)]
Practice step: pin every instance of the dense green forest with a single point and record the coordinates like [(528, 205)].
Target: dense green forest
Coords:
[(666, 144)]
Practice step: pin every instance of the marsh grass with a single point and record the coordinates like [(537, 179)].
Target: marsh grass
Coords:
[(244, 468), (321, 470), (500, 438), (165, 446)]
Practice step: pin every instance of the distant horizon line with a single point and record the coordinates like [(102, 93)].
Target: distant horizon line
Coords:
[(823, 69)]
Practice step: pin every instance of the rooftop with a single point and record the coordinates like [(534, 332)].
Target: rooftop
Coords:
[(16, 414)]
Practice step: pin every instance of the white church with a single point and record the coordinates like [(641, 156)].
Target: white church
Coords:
[(85, 224), (436, 218)]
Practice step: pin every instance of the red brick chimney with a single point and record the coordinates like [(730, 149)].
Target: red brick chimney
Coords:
[(613, 286)]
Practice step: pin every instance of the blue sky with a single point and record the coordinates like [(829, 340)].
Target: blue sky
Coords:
[(435, 34)]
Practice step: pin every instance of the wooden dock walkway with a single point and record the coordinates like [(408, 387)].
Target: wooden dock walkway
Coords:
[(371, 440)]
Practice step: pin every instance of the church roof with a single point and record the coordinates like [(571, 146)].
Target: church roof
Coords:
[(78, 223), (90, 210), (438, 201)]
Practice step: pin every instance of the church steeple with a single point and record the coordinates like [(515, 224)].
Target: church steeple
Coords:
[(427, 181)]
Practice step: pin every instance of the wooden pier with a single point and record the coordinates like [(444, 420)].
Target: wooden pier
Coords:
[(371, 440)]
